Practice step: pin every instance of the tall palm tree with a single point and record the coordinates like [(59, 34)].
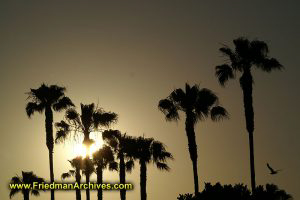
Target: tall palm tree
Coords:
[(46, 98), (77, 165), (122, 145), (27, 178), (90, 120), (245, 55), (149, 150), (102, 159), (197, 104)]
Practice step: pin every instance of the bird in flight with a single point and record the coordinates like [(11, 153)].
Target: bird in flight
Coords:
[(272, 171)]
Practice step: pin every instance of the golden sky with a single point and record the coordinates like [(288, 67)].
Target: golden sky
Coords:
[(126, 56)]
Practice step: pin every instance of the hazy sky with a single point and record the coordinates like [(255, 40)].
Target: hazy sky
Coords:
[(127, 55)]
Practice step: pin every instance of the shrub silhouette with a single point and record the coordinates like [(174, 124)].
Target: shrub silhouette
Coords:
[(237, 192)]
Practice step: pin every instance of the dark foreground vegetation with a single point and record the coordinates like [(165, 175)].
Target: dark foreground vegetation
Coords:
[(237, 192)]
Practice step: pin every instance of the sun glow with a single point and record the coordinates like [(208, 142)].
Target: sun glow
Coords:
[(80, 149)]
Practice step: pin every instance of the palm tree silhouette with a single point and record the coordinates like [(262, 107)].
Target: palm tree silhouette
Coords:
[(102, 159), (77, 165), (90, 120), (122, 145), (46, 98), (197, 104), (27, 178), (242, 58), (149, 150)]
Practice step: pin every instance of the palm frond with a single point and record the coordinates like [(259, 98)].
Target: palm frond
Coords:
[(159, 152), (113, 166), (72, 114), (35, 192), (104, 118), (76, 162), (13, 192), (129, 165), (170, 111), (206, 99), (55, 92), (103, 155), (14, 180), (242, 47), (162, 166), (218, 113), (111, 134), (63, 103), (72, 172), (224, 73), (229, 53), (86, 117), (63, 131), (32, 107), (88, 166), (61, 136), (259, 49), (269, 64), (62, 125), (178, 96)]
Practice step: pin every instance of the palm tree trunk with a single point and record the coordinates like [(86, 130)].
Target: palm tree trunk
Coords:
[(78, 195), (51, 172), (26, 195), (50, 142), (122, 176), (246, 82), (78, 177), (87, 172), (189, 127), (87, 191), (99, 181), (143, 179)]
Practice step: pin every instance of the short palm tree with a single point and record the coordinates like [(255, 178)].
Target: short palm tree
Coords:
[(77, 165), (44, 99), (27, 178), (121, 145), (149, 150), (246, 55), (197, 104), (102, 159), (90, 120)]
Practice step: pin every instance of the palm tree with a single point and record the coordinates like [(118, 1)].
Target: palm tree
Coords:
[(242, 58), (27, 178), (197, 104), (90, 120), (149, 150), (122, 145), (46, 98), (77, 165), (103, 158)]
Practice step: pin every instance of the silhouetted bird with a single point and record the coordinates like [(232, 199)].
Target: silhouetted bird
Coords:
[(272, 171)]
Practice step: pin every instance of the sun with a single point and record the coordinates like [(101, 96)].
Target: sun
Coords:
[(80, 150)]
